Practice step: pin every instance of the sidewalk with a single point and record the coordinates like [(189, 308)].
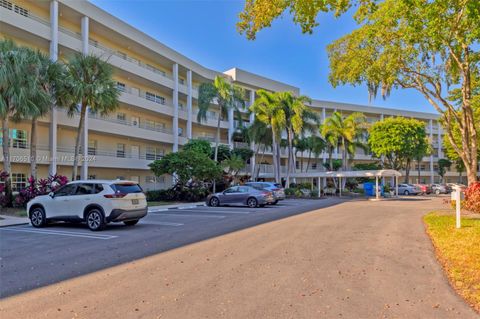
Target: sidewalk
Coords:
[(12, 221), (162, 208)]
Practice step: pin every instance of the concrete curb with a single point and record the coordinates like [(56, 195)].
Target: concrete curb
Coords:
[(13, 221), (155, 209)]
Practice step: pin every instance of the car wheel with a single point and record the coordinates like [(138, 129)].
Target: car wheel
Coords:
[(252, 202), (275, 202), (95, 219), (214, 202), (131, 222), (406, 193), (37, 217), (437, 192)]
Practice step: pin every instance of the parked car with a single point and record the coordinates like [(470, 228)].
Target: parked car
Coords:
[(277, 189), (96, 202), (241, 195), (454, 185), (408, 189), (441, 189), (425, 189)]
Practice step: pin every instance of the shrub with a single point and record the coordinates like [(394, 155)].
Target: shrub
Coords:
[(289, 191), (472, 198), (178, 194), (40, 187)]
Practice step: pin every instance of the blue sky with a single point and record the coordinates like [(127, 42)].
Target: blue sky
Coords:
[(204, 31)]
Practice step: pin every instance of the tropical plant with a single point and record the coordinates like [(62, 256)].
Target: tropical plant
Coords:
[(347, 132), (228, 97), (188, 168), (301, 145), (243, 153), (21, 95), (260, 134), (472, 197), (88, 85), (315, 145), (298, 119), (268, 110), (199, 146), (233, 165)]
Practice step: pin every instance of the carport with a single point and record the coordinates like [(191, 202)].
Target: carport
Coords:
[(322, 177)]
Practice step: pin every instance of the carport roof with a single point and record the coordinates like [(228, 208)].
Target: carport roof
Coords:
[(368, 173)]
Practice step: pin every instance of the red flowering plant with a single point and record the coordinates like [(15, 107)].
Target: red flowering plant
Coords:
[(3, 199), (40, 187), (472, 197)]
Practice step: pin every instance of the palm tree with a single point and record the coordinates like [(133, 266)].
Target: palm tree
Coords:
[(268, 110), (261, 135), (298, 118), (49, 74), (228, 96), (301, 145), (315, 145), (347, 132), (19, 95), (88, 81)]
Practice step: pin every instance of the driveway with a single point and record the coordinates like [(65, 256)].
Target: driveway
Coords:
[(356, 259)]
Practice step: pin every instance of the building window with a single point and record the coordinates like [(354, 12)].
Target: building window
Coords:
[(120, 178), (19, 138), (122, 117), (149, 179), (153, 153), (92, 147), (120, 150), (180, 131), (314, 165), (121, 86), (19, 182), (155, 98), (181, 81)]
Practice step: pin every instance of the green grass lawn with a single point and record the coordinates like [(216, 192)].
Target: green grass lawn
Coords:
[(459, 252)]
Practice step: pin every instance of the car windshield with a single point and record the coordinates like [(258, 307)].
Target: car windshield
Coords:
[(126, 188)]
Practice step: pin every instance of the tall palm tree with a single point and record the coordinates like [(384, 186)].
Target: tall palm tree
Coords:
[(346, 131), (261, 135), (19, 95), (301, 145), (228, 96), (268, 110), (49, 75), (298, 118), (315, 145), (89, 82)]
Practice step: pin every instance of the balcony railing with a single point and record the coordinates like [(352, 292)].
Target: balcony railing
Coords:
[(210, 139), (141, 125)]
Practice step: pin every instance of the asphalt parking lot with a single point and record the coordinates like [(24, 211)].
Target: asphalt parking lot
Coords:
[(31, 257)]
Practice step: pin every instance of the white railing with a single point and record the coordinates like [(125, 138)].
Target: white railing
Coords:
[(141, 125), (210, 139)]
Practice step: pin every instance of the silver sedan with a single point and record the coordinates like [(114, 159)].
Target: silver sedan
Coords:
[(241, 195)]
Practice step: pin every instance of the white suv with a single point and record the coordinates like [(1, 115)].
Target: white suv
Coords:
[(96, 202)]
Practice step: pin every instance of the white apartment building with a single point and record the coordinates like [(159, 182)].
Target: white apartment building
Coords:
[(158, 101)]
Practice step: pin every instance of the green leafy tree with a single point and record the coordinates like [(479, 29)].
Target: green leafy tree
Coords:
[(333, 165), (315, 145), (398, 140), (88, 84), (268, 110), (199, 146), (429, 46), (243, 153), (226, 95), (443, 165), (223, 152), (187, 167)]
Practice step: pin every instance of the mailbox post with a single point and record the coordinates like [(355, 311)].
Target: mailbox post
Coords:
[(457, 196)]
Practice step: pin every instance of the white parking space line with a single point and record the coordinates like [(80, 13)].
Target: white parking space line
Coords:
[(58, 233), (161, 223), (217, 211), (186, 215)]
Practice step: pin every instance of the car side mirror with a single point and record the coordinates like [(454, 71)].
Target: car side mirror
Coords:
[(51, 194)]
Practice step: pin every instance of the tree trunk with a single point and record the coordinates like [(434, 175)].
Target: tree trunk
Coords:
[(308, 161), (76, 154), (472, 173), (418, 170), (6, 161), (290, 155), (260, 163), (274, 157), (217, 141), (407, 171), (33, 149)]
